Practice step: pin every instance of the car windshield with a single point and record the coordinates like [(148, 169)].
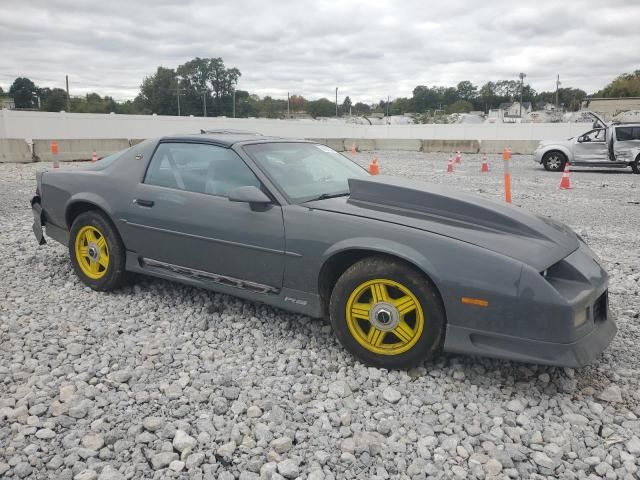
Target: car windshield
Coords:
[(305, 171)]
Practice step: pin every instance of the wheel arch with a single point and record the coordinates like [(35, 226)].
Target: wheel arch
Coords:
[(557, 149), (338, 261), (80, 204)]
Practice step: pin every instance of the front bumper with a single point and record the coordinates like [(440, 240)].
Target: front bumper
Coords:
[(545, 329), (537, 155), (574, 355)]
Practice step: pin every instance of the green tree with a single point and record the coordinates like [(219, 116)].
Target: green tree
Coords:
[(297, 103), (247, 105), (158, 92), (53, 100), (346, 106), (433, 98), (401, 105), (626, 85), (322, 108), (490, 96), (209, 77), (22, 90), (467, 90), (460, 106), (361, 108)]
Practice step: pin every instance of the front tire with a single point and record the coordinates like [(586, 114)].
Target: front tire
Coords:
[(554, 161), (97, 252), (635, 166), (387, 314)]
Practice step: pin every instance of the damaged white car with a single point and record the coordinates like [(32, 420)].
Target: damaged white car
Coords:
[(613, 145)]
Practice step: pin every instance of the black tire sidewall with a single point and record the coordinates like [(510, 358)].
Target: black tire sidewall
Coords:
[(115, 270), (430, 342), (545, 163), (635, 166)]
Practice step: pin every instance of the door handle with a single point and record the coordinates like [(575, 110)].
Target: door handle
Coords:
[(143, 203)]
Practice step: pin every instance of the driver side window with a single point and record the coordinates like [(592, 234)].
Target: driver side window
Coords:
[(198, 168), (594, 136)]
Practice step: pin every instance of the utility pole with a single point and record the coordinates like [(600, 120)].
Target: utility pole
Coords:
[(204, 103), (178, 90), (234, 98), (288, 109), (388, 105), (557, 88), (178, 95), (522, 76), (336, 102), (68, 98)]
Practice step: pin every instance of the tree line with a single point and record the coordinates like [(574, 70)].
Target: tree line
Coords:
[(206, 87)]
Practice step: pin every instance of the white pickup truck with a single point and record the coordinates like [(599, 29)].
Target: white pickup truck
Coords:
[(613, 145)]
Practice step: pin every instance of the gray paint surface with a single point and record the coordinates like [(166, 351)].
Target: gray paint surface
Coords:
[(468, 246)]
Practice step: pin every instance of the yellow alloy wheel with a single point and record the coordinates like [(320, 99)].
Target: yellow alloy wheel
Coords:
[(384, 317), (92, 252)]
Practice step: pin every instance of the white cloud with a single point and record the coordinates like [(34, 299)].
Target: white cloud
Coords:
[(369, 49)]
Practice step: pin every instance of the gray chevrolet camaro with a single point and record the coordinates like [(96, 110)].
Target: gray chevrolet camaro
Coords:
[(403, 269)]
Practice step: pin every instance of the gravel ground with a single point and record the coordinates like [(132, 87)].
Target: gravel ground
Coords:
[(160, 380)]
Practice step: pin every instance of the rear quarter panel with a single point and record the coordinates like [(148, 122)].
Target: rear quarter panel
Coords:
[(109, 187)]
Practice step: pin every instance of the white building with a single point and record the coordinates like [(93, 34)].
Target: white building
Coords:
[(510, 112), (7, 103)]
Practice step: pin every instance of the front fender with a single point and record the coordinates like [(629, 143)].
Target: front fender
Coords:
[(557, 147), (384, 246)]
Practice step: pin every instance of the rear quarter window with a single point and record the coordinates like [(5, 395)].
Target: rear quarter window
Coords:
[(624, 134)]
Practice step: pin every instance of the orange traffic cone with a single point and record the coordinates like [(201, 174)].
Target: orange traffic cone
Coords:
[(353, 149), (54, 152), (374, 168), (450, 165), (565, 184), (94, 156), (485, 165), (458, 159)]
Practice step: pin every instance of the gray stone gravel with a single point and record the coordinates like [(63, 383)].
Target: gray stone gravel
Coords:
[(159, 380)]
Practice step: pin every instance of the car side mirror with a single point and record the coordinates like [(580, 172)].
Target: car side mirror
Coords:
[(249, 194), (581, 139)]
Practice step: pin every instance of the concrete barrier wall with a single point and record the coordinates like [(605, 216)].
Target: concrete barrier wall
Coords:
[(30, 125), (18, 150), (463, 146), (361, 144), (15, 150), (524, 147), (71, 150), (409, 144)]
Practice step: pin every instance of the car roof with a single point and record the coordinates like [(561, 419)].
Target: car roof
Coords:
[(227, 138)]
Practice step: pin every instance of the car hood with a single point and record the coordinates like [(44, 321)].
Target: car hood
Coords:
[(532, 239)]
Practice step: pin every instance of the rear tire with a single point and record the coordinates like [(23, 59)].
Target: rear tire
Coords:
[(387, 314), (554, 161), (97, 252)]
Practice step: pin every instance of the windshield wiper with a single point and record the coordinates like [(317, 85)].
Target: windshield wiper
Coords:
[(324, 196)]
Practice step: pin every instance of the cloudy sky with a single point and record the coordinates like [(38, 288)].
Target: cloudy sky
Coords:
[(369, 49)]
